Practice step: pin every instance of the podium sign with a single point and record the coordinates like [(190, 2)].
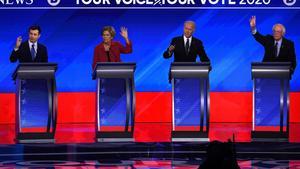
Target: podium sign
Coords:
[(271, 86), (115, 101), (36, 102), (190, 101)]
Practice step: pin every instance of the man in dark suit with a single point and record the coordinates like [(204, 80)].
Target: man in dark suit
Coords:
[(186, 48), (31, 50), (277, 47)]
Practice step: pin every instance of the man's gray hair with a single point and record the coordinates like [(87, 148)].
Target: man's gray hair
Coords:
[(190, 22), (282, 27)]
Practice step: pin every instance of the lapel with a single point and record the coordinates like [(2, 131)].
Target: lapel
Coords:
[(29, 53), (283, 43), (191, 47), (182, 44), (27, 50), (37, 51)]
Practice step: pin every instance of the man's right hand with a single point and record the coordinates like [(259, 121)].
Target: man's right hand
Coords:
[(253, 23), (18, 42), (171, 48)]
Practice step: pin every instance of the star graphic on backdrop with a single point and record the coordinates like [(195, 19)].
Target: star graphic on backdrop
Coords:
[(24, 122), (23, 82), (258, 100), (103, 90), (258, 120), (178, 120), (23, 101), (177, 100), (258, 90), (102, 110), (103, 121), (23, 111), (258, 111), (23, 90)]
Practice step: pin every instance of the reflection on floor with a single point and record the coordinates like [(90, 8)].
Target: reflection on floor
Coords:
[(75, 148), (146, 163)]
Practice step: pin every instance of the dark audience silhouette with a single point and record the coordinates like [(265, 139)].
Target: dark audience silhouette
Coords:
[(220, 155)]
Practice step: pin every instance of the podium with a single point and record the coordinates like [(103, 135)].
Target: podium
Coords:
[(271, 87), (36, 102), (115, 102), (190, 101)]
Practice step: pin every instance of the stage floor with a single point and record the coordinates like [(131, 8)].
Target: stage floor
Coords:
[(75, 148), (142, 155)]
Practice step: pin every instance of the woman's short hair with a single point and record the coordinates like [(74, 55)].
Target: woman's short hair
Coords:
[(109, 29)]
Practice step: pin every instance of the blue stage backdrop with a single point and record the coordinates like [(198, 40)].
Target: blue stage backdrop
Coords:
[(71, 36)]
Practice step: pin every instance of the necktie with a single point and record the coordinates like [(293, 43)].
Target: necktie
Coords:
[(187, 46), (276, 49), (32, 51)]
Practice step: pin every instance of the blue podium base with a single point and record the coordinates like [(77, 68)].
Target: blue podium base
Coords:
[(114, 137), (269, 136), (24, 138), (36, 141), (115, 140), (189, 136)]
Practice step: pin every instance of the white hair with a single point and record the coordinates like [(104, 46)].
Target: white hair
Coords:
[(282, 27), (190, 22)]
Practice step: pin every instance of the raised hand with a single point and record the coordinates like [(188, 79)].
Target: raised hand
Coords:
[(253, 22), (124, 33), (171, 48), (18, 42)]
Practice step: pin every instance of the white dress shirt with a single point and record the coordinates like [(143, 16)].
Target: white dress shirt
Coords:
[(35, 46), (279, 43), (185, 40)]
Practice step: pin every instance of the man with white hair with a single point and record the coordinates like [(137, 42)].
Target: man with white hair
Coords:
[(277, 47), (186, 47)]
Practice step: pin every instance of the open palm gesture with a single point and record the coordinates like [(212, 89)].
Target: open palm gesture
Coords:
[(253, 22), (124, 32)]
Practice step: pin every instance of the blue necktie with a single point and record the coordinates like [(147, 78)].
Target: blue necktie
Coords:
[(33, 53)]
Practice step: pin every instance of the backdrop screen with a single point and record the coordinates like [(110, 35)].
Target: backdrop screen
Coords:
[(71, 35)]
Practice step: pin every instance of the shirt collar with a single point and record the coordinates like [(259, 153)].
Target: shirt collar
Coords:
[(279, 42), (185, 38), (30, 43)]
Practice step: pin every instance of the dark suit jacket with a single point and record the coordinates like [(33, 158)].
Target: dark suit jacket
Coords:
[(287, 50), (23, 54), (196, 48)]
